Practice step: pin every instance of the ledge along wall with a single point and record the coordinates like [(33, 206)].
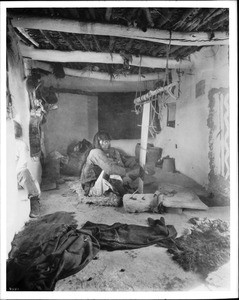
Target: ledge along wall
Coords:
[(76, 118), (200, 136), (17, 204)]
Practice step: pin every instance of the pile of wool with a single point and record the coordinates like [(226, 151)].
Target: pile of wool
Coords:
[(205, 248)]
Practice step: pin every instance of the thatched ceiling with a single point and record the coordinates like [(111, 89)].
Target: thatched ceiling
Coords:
[(171, 20)]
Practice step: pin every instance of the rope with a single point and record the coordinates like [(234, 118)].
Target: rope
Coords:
[(166, 80), (137, 111)]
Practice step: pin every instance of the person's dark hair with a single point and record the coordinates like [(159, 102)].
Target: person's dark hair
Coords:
[(18, 129), (100, 136)]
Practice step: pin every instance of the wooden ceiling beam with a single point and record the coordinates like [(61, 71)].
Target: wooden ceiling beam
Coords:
[(104, 58), (72, 91), (99, 75), (96, 85), (27, 36), (153, 35)]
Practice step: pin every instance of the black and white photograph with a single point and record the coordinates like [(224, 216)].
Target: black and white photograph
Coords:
[(119, 150)]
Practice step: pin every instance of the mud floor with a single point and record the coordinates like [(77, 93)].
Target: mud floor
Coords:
[(146, 269)]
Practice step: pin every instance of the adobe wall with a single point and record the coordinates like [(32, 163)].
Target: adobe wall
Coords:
[(76, 118)]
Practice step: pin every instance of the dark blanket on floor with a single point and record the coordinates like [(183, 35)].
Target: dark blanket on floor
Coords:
[(123, 236), (52, 248)]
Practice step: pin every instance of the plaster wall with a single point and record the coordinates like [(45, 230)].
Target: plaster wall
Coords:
[(76, 118), (166, 139), (189, 141), (191, 132), (128, 146), (17, 205)]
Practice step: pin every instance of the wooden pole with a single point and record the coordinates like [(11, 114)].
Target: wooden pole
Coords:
[(153, 35), (98, 75), (146, 97), (143, 145), (100, 57), (96, 85), (27, 36)]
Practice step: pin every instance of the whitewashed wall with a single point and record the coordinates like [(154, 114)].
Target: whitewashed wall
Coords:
[(188, 142), (17, 205)]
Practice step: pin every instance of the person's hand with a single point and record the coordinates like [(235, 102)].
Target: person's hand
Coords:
[(130, 162), (127, 180)]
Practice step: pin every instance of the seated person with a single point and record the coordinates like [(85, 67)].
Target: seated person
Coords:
[(24, 177), (104, 169)]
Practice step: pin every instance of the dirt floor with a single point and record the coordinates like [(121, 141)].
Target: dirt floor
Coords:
[(146, 269)]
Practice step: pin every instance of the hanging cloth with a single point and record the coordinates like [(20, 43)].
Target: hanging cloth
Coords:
[(35, 135)]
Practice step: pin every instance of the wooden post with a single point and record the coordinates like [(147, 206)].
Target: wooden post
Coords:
[(143, 145)]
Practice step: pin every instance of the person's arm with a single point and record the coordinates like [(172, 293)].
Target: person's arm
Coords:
[(21, 155), (117, 156), (23, 151), (99, 158)]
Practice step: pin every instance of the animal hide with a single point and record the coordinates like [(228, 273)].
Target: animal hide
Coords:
[(48, 250)]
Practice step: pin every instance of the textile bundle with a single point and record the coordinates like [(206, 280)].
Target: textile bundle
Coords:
[(76, 158), (52, 248)]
